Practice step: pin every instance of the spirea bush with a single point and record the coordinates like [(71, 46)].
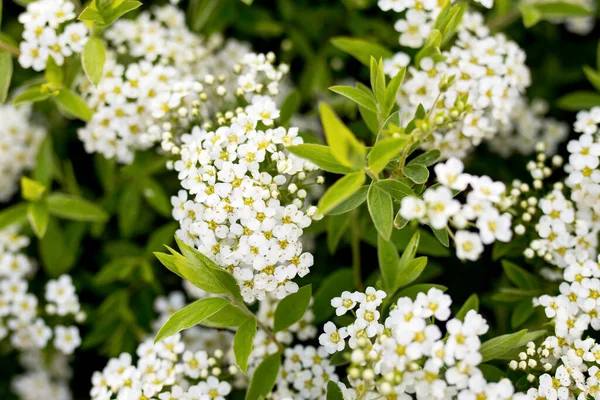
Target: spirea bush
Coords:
[(299, 200)]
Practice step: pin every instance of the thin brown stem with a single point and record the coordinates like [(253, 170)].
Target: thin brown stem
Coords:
[(9, 49)]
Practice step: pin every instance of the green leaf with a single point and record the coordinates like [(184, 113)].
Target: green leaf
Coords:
[(191, 315), (398, 190), (290, 106), (389, 263), (410, 271), (45, 162), (491, 373), (341, 190), (291, 308), (500, 345), (531, 15), (356, 95), (343, 145), (54, 73), (228, 317), (592, 76), (263, 379), (472, 303), (392, 91), (521, 278), (581, 100), (74, 104), (561, 9), (38, 216), (31, 190), (381, 209), (442, 236), (360, 49), (385, 151), (427, 159), (200, 13), (128, 209), (416, 173), (204, 273), (377, 79), (93, 59), (75, 208), (319, 155), (6, 70), (242, 342), (169, 261), (13, 215), (32, 95), (351, 202), (334, 392)]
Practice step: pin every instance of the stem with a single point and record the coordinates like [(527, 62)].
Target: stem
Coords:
[(372, 174), (356, 256), (9, 49)]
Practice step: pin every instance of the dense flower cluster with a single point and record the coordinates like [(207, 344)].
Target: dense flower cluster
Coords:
[(163, 371), (482, 208), (21, 319), (43, 379), (176, 81), (20, 141), (50, 32), (407, 354), (489, 75), (304, 375), (527, 128), (244, 203)]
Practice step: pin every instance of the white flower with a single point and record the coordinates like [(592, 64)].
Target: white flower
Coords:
[(347, 301), (440, 206), (450, 174), (332, 338), (66, 339), (468, 245), (493, 226)]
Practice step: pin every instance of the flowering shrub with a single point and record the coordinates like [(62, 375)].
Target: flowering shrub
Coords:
[(303, 200)]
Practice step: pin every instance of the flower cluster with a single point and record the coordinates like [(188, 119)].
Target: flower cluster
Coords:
[(42, 378), (244, 203), (489, 76), (164, 370), (527, 128), (176, 81), (20, 141), (418, 19), (407, 354), (20, 316), (50, 32), (565, 364), (438, 208), (304, 375)]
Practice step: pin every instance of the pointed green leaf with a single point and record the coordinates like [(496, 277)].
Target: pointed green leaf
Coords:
[(360, 49), (243, 341), (191, 315), (381, 208), (6, 70), (389, 263), (356, 95), (31, 190), (500, 345), (291, 309), (93, 59), (581, 100), (75, 208), (319, 155), (472, 303), (416, 173), (520, 277), (74, 104), (38, 216), (384, 151), (351, 202), (13, 215), (343, 145), (263, 379), (340, 191), (334, 392)]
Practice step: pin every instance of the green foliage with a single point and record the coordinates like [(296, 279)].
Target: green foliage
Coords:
[(190, 315), (243, 342), (341, 191), (292, 308), (93, 59), (360, 49), (264, 377), (500, 345)]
